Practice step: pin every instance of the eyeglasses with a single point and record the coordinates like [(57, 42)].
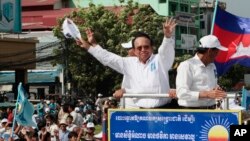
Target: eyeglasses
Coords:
[(140, 48)]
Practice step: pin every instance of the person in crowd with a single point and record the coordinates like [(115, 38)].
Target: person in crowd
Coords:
[(89, 136), (70, 123), (41, 109), (72, 112), (41, 125), (10, 114), (196, 81), (62, 134), (3, 126), (51, 127), (28, 134), (73, 136), (89, 117), (98, 104), (7, 133), (146, 73), (79, 117), (63, 112), (53, 107), (81, 106)]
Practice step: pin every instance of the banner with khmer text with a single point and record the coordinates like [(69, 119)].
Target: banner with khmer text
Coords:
[(169, 125)]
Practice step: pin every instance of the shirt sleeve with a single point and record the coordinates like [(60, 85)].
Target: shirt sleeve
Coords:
[(107, 58), (184, 83), (167, 53)]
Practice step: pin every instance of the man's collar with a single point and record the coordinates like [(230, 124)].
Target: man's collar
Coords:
[(149, 59), (199, 62)]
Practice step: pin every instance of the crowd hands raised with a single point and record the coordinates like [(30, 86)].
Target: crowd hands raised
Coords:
[(147, 73), (58, 121)]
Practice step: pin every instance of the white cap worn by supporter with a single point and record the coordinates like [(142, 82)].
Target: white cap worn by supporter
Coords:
[(77, 109), (90, 125), (211, 41), (47, 109), (47, 102), (99, 95), (127, 45), (4, 120)]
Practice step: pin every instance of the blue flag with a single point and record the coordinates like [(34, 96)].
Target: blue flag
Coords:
[(245, 102), (24, 109)]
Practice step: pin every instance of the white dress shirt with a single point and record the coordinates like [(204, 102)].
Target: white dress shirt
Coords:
[(129, 102), (192, 77), (148, 78)]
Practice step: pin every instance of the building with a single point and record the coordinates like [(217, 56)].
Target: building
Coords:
[(36, 71), (194, 17), (39, 18)]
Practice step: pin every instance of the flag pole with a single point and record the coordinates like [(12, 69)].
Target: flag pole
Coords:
[(16, 105), (243, 95), (214, 14)]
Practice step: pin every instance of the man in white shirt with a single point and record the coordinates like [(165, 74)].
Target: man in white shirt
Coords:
[(72, 112), (196, 81), (147, 73)]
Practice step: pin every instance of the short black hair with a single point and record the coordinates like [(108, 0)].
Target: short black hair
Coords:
[(41, 124), (70, 116), (72, 134), (202, 50), (141, 34)]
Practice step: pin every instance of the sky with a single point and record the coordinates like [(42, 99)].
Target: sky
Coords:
[(237, 7)]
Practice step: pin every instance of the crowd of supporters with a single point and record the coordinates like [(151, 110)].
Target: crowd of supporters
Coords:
[(58, 121)]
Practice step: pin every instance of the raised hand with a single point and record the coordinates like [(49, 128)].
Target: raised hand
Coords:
[(82, 43), (90, 36), (169, 26)]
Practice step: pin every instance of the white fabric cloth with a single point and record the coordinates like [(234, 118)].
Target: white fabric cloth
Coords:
[(71, 127), (52, 128), (151, 77), (192, 77), (75, 117)]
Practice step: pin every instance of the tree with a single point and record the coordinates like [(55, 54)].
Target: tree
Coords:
[(111, 29)]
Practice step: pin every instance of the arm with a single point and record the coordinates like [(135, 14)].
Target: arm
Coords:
[(166, 51), (184, 83), (105, 57), (80, 134), (26, 137)]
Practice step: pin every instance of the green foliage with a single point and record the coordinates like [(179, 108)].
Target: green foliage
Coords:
[(91, 77), (233, 76), (88, 75)]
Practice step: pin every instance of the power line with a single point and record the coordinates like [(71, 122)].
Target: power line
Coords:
[(8, 65), (53, 44)]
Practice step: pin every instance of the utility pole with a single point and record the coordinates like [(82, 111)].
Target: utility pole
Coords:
[(66, 67)]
